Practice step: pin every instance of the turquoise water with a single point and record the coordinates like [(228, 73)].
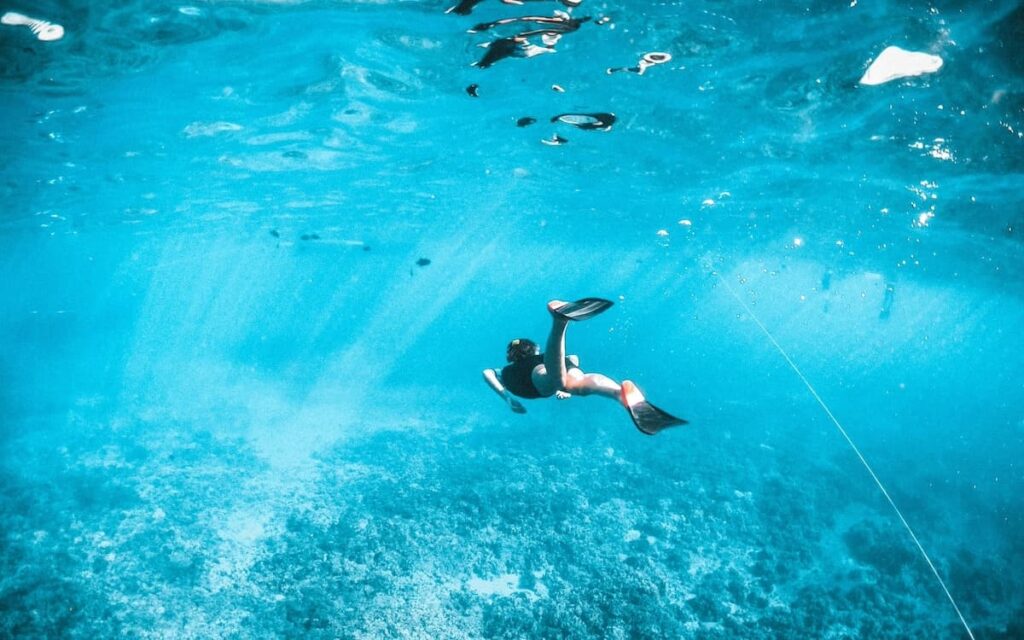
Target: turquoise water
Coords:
[(236, 403)]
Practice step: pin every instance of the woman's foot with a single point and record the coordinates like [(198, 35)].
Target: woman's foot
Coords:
[(630, 395), (553, 307)]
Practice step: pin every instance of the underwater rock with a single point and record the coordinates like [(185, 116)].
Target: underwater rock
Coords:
[(309, 236), (525, 121), (894, 63), (422, 262), (877, 546)]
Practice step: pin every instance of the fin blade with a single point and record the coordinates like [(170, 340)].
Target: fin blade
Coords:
[(584, 308), (648, 418), (651, 420)]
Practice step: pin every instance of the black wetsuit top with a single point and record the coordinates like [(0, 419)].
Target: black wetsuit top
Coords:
[(517, 377)]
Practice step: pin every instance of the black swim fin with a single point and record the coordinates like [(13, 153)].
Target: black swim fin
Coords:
[(583, 308), (648, 418)]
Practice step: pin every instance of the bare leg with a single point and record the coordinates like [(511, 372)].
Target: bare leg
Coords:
[(585, 384), (555, 377)]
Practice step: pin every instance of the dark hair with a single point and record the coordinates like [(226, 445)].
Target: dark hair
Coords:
[(521, 348)]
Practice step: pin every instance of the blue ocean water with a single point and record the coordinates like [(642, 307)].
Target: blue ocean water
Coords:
[(238, 401)]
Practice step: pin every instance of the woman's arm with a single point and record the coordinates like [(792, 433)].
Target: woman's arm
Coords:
[(493, 381)]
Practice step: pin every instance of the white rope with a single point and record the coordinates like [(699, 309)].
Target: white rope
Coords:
[(853, 446)]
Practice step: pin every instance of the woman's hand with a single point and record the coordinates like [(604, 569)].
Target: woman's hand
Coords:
[(563, 395)]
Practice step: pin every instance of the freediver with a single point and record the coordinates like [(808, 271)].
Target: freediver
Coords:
[(531, 374)]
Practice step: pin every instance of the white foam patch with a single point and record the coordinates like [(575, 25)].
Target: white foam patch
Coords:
[(309, 159), (894, 63), (277, 138), (42, 29), (209, 129)]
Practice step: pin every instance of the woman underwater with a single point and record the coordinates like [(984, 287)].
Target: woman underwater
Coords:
[(531, 374)]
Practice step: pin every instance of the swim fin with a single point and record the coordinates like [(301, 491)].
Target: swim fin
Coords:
[(648, 418), (583, 308)]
